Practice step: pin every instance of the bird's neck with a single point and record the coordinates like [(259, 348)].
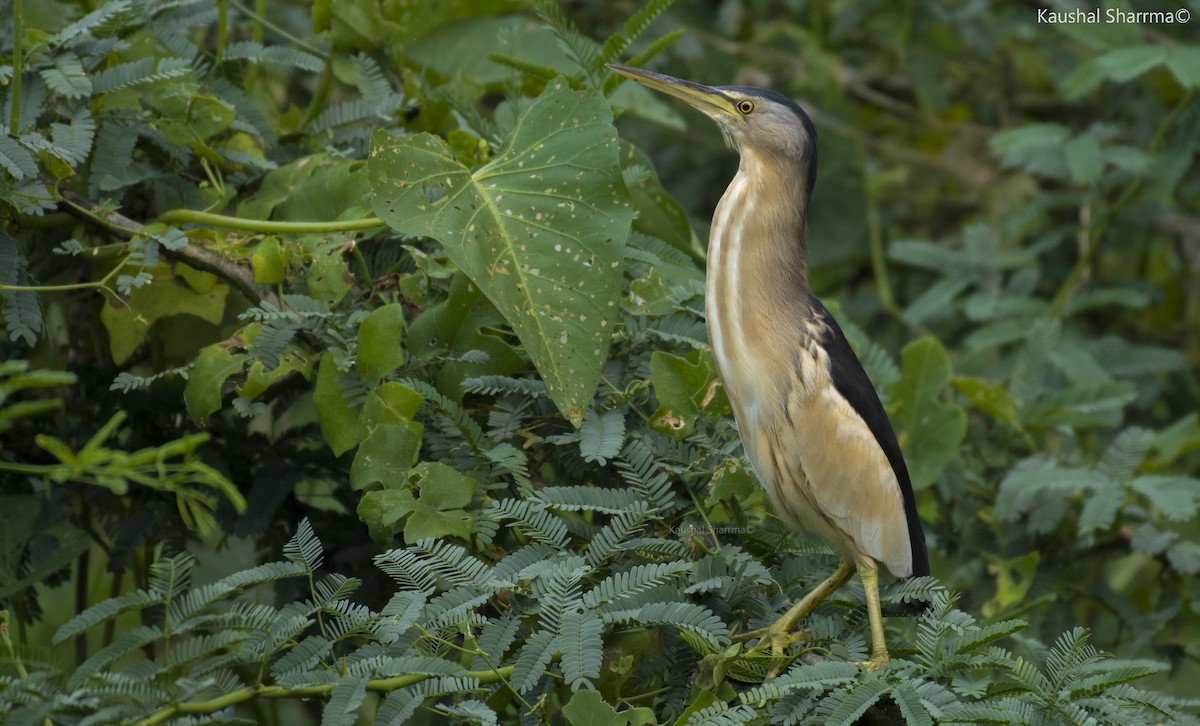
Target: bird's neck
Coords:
[(757, 280)]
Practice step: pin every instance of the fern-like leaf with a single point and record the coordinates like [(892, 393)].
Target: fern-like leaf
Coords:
[(271, 341), (637, 579), (622, 526), (722, 714), (601, 435), (586, 499), (143, 70), (304, 548), (469, 428), (451, 562), (104, 611), (516, 564), (1112, 675), (15, 159), (499, 385), (99, 23), (683, 615), (399, 615), (532, 659), (76, 138), (531, 518), (976, 638), (453, 606), (303, 656), (276, 54), (582, 647), (399, 707), (344, 701), (495, 640)]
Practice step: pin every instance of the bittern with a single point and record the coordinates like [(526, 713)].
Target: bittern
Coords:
[(810, 420)]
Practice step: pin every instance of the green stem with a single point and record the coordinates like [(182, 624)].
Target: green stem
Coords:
[(28, 469), (875, 238), (53, 288), (14, 119), (291, 39), (1095, 234), (190, 216), (259, 33), (384, 685), (83, 568), (317, 104), (222, 29), (363, 268), (8, 644)]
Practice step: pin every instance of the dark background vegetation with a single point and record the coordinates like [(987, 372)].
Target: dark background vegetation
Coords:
[(278, 443)]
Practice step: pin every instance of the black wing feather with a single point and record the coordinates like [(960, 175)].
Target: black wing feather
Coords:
[(852, 382)]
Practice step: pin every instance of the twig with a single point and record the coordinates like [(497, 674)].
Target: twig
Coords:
[(206, 260)]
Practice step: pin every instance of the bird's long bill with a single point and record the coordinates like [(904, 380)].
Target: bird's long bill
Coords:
[(705, 98)]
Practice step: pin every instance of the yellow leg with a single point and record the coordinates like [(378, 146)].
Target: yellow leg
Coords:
[(868, 572), (778, 636)]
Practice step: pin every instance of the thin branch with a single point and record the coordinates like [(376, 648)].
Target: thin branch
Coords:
[(384, 685), (206, 260)]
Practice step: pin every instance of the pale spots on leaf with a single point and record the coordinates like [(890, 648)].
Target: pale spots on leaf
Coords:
[(548, 299)]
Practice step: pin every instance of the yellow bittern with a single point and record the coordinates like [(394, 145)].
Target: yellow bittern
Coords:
[(810, 420)]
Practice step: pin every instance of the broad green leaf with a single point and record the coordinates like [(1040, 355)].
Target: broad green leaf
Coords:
[(457, 328), (128, 321), (1184, 63), (393, 439), (658, 214), (267, 260), (50, 549), (318, 187), (989, 397), (293, 359), (1013, 580), (214, 365), (929, 430), (1176, 440), (387, 453), (391, 402), (1036, 147), (463, 47), (702, 701), (340, 427), (379, 351), (685, 387), (588, 708), (1177, 497), (649, 294), (329, 277), (431, 502), (539, 229), (1084, 158), (259, 379), (731, 481)]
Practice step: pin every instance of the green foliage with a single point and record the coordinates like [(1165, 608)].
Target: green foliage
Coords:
[(536, 228), (388, 271)]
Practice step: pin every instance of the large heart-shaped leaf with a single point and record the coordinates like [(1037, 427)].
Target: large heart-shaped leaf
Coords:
[(539, 228)]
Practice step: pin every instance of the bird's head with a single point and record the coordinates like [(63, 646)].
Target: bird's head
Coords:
[(764, 126)]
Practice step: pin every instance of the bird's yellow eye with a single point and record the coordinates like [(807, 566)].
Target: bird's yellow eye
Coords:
[(745, 106)]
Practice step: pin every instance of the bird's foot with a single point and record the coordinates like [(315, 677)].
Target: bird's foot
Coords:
[(877, 663), (776, 638)]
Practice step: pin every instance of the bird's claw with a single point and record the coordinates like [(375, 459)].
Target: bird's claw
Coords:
[(778, 640), (874, 665)]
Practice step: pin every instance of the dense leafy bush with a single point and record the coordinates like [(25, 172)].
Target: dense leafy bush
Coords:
[(379, 287)]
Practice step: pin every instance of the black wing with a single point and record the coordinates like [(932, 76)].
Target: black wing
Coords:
[(852, 382)]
